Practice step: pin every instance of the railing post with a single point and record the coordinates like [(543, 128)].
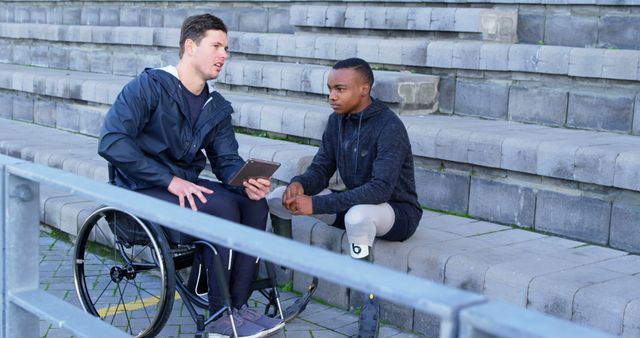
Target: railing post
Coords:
[(20, 258)]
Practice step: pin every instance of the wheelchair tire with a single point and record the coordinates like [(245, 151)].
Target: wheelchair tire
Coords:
[(124, 272)]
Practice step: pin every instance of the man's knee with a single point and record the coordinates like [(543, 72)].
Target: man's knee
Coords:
[(356, 215)]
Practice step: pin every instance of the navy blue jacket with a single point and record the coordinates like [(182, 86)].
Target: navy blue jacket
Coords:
[(372, 153), (147, 135)]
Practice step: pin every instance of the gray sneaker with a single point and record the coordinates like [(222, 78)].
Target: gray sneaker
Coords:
[(269, 324), (221, 327)]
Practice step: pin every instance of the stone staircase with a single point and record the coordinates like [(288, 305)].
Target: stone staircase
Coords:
[(521, 115)]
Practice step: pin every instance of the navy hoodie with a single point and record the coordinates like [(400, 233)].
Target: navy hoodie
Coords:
[(148, 137), (372, 154)]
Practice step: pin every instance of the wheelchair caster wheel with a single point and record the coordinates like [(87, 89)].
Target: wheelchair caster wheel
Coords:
[(300, 304)]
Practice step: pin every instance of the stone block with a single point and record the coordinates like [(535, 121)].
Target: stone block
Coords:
[(600, 111), (21, 54), (494, 56), (442, 189), (602, 305), (580, 217), (375, 18), (249, 43), (397, 18), (59, 58), (305, 46), (636, 116), (312, 79), (538, 105), (531, 27), (272, 75), (6, 102), (151, 17), (620, 64), (125, 64), (499, 25), (553, 60), (447, 91), (596, 164), (624, 226), (345, 48), (268, 45), (285, 46), (91, 121), (109, 16), (553, 294), (619, 31), (44, 113), (6, 52), (38, 15), (368, 49), (485, 148), (23, 108), (101, 62), (571, 30), (630, 325), (335, 16), (502, 202), (354, 17), (389, 53), (298, 15), (129, 16), (414, 53), (466, 55), (40, 55), (292, 78), (420, 19), (586, 62), (68, 118), (76, 34), (523, 58), (316, 16), (442, 19), (279, 21), (452, 145), (467, 20), (325, 48), (486, 99), (252, 75), (76, 16)]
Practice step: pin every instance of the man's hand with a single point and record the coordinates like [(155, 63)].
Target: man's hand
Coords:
[(185, 189), (294, 189), (257, 189), (302, 205)]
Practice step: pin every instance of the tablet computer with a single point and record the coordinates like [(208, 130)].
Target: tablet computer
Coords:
[(254, 168)]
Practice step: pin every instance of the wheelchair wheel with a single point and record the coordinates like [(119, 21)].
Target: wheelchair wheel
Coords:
[(124, 273)]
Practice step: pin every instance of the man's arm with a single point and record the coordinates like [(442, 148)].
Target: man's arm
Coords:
[(123, 122), (222, 151), (392, 148), (317, 176)]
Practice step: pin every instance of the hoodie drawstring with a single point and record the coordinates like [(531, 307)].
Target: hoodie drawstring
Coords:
[(355, 172)]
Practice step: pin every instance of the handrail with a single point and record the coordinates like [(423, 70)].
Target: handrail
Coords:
[(21, 180)]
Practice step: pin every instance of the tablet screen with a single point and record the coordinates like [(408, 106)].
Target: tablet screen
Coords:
[(254, 168)]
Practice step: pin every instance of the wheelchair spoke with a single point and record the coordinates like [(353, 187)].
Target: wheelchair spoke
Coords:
[(124, 306), (142, 301), (101, 293)]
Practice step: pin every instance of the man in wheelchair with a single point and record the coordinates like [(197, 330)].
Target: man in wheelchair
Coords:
[(154, 135)]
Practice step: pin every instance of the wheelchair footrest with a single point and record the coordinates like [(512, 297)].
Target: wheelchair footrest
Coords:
[(300, 304)]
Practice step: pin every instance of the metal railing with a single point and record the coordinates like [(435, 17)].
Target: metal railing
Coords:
[(461, 313)]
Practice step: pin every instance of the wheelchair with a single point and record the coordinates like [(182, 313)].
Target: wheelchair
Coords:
[(128, 272)]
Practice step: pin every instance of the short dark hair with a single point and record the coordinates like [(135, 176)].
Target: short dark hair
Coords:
[(359, 65), (195, 27)]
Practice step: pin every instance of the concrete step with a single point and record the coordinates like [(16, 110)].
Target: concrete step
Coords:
[(494, 25), (511, 173), (411, 93), (584, 283), (600, 63), (149, 14)]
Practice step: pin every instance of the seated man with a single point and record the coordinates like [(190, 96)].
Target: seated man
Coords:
[(154, 135), (369, 146)]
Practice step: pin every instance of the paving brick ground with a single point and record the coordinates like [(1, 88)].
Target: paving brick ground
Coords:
[(317, 321)]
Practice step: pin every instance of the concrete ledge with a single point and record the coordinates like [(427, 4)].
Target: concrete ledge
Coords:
[(494, 25)]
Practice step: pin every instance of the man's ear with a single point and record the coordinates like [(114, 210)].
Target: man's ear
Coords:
[(365, 90), (188, 46)]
